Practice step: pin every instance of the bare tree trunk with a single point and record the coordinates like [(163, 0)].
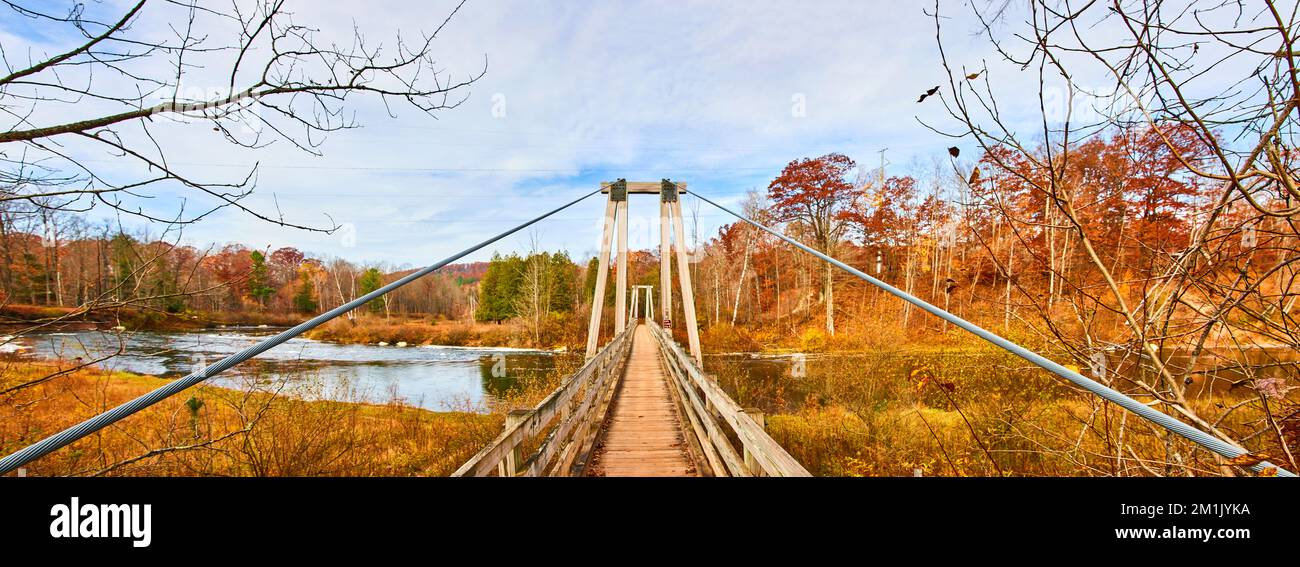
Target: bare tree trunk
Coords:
[(1050, 234), (909, 276), (717, 296), (1006, 298), (777, 262), (828, 293), (740, 285)]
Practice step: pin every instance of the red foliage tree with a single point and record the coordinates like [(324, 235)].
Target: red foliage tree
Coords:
[(284, 263), (1159, 188), (883, 217), (231, 267), (816, 195)]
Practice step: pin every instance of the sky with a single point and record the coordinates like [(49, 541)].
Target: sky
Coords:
[(720, 95)]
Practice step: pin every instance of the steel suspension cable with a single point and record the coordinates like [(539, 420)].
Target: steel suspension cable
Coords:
[(63, 438), (1164, 420)]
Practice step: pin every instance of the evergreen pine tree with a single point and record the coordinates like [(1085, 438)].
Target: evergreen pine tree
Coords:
[(372, 280), (259, 287), (305, 300)]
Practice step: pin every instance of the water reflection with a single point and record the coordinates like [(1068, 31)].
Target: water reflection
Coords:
[(433, 377), (459, 378)]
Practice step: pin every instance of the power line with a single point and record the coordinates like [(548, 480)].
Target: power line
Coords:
[(573, 170), (482, 220)]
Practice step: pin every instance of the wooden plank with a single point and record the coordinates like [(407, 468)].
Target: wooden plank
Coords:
[(560, 435), (644, 434), (697, 435), (750, 462), (769, 455), (584, 443), (728, 461), (510, 465), (487, 459), (649, 439), (594, 408), (610, 368)]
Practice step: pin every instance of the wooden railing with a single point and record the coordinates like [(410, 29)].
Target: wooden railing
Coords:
[(570, 418), (732, 442)]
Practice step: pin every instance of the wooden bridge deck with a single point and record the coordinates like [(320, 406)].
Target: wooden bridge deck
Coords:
[(640, 406), (643, 435)]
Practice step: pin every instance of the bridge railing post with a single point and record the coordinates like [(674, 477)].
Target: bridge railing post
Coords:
[(751, 462), (510, 465), (708, 404)]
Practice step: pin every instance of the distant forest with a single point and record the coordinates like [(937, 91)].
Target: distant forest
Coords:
[(56, 259)]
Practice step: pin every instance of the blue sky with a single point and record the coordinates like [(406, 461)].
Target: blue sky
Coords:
[(701, 92)]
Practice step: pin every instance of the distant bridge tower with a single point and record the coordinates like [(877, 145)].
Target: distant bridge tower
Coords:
[(643, 302), (670, 230)]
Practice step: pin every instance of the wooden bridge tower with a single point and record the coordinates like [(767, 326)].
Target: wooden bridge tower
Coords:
[(643, 305), (670, 231)]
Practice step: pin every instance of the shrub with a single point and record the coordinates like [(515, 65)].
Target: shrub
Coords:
[(813, 339)]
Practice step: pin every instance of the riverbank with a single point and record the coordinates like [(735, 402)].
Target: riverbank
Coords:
[(362, 329), (274, 429), (811, 338), (422, 332), (564, 332), (16, 318)]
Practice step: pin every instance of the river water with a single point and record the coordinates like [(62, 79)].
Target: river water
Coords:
[(470, 379), (433, 377)]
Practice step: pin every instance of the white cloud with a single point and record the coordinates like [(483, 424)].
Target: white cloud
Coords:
[(695, 91)]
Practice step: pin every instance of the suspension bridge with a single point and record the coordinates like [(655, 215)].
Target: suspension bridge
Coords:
[(641, 404)]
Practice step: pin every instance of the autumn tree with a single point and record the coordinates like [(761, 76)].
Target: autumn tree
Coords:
[(109, 100), (284, 264), (814, 195), (1138, 198)]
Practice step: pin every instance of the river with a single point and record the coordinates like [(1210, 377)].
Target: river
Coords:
[(434, 377), (446, 378)]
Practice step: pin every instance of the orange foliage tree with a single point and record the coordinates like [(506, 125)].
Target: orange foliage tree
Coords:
[(814, 195)]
